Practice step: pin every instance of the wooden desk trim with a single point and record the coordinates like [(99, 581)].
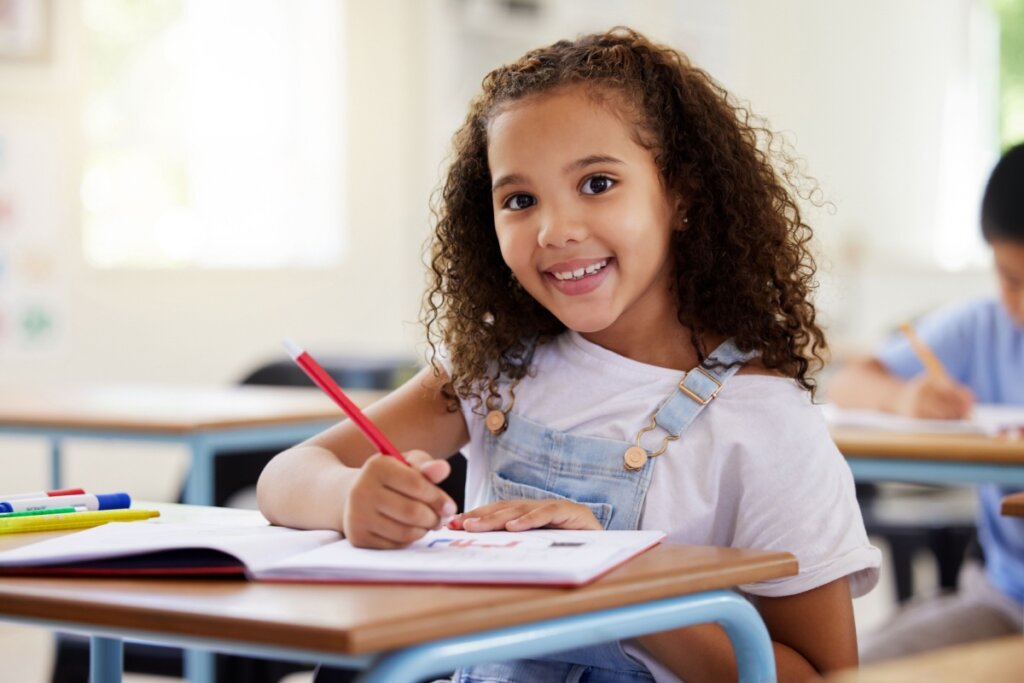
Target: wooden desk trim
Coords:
[(863, 443), (110, 408), (999, 660), (1013, 505)]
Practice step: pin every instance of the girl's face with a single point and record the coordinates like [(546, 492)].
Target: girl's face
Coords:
[(582, 217)]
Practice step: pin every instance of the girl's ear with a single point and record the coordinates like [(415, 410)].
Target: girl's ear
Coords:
[(682, 211)]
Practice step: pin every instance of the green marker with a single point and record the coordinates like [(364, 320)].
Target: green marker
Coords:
[(31, 513)]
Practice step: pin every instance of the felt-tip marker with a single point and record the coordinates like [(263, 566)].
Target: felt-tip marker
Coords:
[(35, 513), (91, 502), (42, 494)]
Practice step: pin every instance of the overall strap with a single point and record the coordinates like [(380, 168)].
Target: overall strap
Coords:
[(700, 386)]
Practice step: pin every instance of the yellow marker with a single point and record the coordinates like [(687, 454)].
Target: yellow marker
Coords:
[(72, 520), (931, 363)]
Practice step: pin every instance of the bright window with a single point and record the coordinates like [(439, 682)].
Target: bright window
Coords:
[(213, 133)]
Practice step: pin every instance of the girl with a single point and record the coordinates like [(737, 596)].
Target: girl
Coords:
[(622, 334)]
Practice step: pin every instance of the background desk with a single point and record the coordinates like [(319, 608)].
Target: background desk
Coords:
[(1013, 505), (931, 458), (207, 420), (403, 632), (993, 661)]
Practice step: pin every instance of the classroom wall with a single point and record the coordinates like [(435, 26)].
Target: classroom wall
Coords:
[(202, 326), (855, 86)]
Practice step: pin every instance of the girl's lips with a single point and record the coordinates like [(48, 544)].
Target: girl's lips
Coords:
[(585, 284)]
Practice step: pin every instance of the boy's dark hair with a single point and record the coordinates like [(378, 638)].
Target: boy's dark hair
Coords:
[(1002, 207), (742, 267)]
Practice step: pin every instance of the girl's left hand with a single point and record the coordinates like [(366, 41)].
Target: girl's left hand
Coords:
[(520, 515)]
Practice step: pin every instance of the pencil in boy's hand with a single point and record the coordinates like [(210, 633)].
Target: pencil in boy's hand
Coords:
[(931, 363), (331, 388)]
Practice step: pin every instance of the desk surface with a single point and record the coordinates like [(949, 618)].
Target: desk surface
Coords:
[(357, 619), (870, 443), (164, 409), (1013, 505), (994, 661)]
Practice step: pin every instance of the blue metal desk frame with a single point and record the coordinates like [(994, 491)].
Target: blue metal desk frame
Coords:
[(751, 642), (935, 471)]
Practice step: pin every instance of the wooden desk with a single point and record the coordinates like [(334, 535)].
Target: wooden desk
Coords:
[(1013, 505), (208, 420), (404, 633), (876, 455), (994, 661)]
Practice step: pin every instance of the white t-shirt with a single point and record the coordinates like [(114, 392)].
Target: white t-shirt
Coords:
[(756, 469)]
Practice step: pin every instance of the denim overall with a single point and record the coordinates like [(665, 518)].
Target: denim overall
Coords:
[(528, 460)]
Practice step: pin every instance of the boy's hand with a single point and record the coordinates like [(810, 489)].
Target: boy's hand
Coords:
[(520, 515), (390, 505), (934, 398)]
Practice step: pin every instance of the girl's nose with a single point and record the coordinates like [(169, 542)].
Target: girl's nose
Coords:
[(559, 229)]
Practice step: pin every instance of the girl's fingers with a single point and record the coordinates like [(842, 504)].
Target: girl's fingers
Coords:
[(412, 483), (406, 511), (387, 533), (556, 515), (520, 515), (495, 519), (535, 519)]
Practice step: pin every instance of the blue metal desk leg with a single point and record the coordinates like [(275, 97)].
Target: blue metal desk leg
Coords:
[(199, 485), (755, 659), (199, 664), (56, 476), (106, 657)]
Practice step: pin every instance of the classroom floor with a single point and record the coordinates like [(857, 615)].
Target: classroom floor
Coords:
[(26, 653)]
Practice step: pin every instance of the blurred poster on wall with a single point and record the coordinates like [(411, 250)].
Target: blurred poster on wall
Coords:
[(32, 244)]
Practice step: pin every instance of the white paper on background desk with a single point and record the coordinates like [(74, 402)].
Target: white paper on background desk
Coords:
[(988, 420), (541, 556)]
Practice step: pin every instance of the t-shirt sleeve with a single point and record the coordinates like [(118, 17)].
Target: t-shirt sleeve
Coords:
[(798, 496), (948, 332)]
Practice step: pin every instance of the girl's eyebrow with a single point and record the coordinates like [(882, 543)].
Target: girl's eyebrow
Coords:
[(577, 165), (590, 161), (501, 182)]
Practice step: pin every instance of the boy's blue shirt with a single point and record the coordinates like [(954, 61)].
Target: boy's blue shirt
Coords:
[(982, 348)]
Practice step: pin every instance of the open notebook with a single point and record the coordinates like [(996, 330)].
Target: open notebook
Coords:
[(989, 420), (275, 553)]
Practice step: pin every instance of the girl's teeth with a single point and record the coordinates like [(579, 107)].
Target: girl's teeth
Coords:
[(580, 272)]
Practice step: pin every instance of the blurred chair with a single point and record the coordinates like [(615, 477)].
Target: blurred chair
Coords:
[(235, 476), (912, 519)]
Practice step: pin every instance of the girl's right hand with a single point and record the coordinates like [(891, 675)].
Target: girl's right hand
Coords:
[(390, 504), (931, 397)]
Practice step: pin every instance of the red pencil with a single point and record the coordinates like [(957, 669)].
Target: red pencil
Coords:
[(331, 388)]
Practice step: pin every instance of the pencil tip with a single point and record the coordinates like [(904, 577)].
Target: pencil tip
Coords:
[(293, 349)]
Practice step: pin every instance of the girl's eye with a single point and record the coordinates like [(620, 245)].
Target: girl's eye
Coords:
[(597, 184), (518, 202)]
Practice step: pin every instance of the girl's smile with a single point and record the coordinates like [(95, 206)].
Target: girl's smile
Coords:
[(580, 276), (582, 217)]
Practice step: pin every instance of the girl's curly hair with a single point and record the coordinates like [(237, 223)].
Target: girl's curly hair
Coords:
[(742, 266)]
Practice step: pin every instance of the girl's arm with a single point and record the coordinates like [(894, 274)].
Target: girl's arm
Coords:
[(336, 480), (812, 634)]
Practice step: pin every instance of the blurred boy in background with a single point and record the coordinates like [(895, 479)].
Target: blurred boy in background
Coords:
[(980, 343)]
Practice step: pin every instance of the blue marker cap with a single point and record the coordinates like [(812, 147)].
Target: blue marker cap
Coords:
[(113, 501), (6, 507)]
